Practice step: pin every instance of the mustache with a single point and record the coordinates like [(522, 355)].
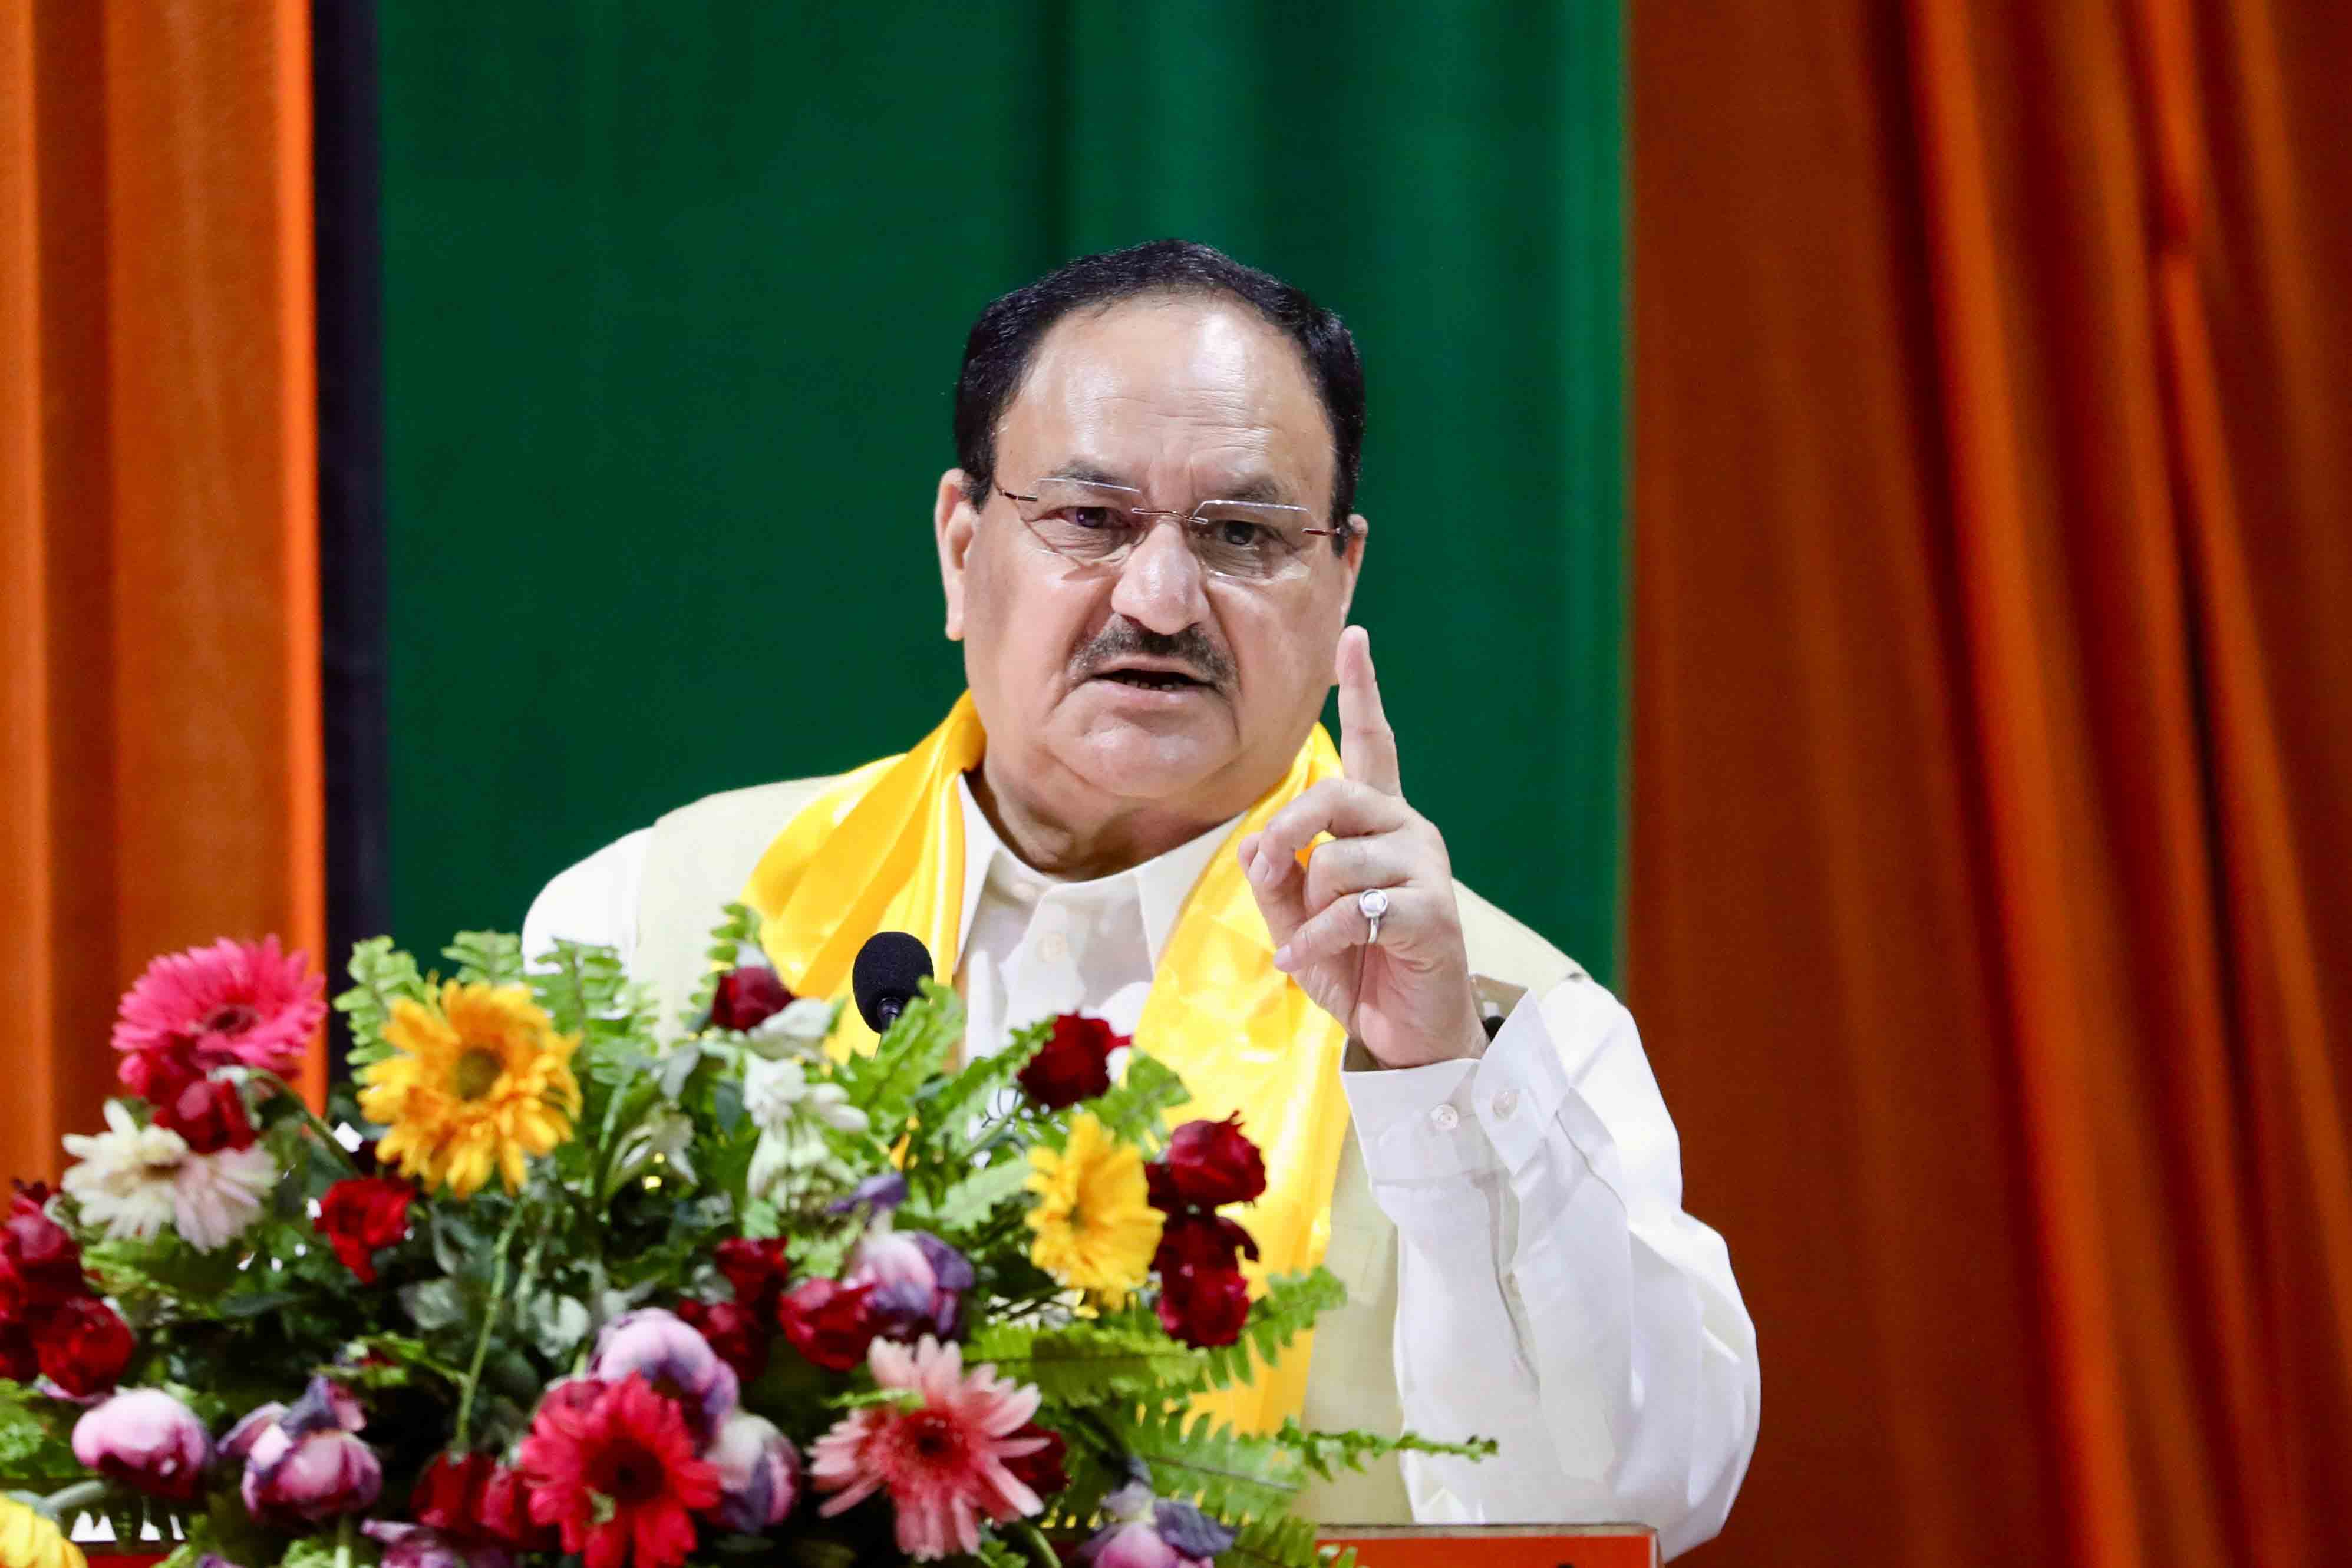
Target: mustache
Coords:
[(1123, 639)]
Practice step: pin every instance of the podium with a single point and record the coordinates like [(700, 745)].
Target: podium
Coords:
[(1376, 1546), (1498, 1546)]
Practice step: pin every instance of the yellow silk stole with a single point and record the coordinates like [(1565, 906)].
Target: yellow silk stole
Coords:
[(883, 849)]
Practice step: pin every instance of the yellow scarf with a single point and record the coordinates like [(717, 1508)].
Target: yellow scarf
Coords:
[(883, 850)]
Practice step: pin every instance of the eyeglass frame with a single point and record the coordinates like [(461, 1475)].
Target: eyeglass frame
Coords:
[(1192, 520)]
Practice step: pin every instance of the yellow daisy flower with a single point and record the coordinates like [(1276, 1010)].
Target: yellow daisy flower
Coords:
[(1096, 1230), (29, 1539), (474, 1085)]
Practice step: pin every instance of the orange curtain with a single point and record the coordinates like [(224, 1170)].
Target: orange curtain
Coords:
[(1990, 921), (159, 728)]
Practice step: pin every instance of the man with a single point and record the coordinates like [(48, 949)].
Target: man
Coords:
[(1149, 547)]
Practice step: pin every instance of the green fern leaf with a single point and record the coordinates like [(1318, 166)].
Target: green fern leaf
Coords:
[(883, 1084), (1089, 1364), (486, 958), (1230, 1475), (1132, 1111), (1290, 1308), (738, 927), (383, 975)]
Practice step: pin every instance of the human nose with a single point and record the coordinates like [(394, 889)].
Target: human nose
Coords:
[(1159, 584)]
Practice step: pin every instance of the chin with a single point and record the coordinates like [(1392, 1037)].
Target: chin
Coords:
[(1139, 764)]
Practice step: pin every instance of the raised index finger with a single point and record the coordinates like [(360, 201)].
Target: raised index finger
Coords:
[(1367, 745)]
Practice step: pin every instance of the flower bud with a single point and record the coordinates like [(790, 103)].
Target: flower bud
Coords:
[(82, 1345), (1210, 1162), (829, 1322), (209, 1115), (306, 1465), (747, 997), (40, 1266), (678, 1363), (1074, 1065), (918, 1282), (361, 1216), (759, 1473), (736, 1334), (147, 1440)]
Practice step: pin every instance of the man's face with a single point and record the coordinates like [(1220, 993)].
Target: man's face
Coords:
[(1185, 400)]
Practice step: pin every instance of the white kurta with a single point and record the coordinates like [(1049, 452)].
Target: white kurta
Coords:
[(1552, 1294)]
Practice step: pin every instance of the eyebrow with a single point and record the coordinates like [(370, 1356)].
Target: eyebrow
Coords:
[(1259, 489)]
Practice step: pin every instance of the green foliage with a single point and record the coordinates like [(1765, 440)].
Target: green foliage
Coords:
[(486, 957), (949, 1106), (883, 1083), (1114, 1364), (1291, 1304), (1283, 1542), (963, 1206), (583, 987), (1134, 1108), (329, 1551), (738, 927), (1230, 1475), (382, 975), (1326, 1454), (34, 1449)]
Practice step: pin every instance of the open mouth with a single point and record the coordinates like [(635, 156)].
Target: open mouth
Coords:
[(1154, 680)]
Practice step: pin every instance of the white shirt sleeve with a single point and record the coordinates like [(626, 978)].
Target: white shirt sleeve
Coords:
[(1552, 1294), (595, 901)]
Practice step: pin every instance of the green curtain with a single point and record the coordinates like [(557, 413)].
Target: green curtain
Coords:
[(674, 296)]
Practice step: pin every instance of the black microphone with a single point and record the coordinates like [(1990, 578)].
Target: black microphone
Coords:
[(888, 974)]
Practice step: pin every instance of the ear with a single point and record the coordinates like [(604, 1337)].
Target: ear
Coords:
[(954, 519), (1352, 559)]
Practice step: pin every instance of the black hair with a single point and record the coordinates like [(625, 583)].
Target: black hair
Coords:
[(997, 354)]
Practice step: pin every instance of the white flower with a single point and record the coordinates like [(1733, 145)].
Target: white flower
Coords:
[(128, 1175), (218, 1195), (799, 1028), (777, 1093)]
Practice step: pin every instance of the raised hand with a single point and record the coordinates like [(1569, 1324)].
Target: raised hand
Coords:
[(1415, 1005)]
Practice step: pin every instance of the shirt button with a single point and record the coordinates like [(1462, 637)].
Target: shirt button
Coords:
[(1506, 1102), (1054, 947), (1446, 1118)]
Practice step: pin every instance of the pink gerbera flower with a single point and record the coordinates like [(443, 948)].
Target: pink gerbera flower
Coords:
[(940, 1451), (233, 1003)]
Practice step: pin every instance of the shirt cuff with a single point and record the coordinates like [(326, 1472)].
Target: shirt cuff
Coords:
[(1464, 1116), (1416, 1123)]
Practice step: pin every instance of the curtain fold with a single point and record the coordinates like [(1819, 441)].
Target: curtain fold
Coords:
[(157, 575), (1992, 736)]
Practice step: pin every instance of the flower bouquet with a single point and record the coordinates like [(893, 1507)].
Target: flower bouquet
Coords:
[(545, 1282)]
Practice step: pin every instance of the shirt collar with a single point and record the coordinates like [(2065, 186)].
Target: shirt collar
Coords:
[(1158, 886)]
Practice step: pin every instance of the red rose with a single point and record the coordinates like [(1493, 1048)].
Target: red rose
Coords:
[(40, 1264), (448, 1492), (158, 1073), (506, 1514), (829, 1322), (210, 1114), (19, 1362), (1210, 1162), (1041, 1471), (82, 1345), (748, 997), (1205, 1241), (737, 1335), (757, 1270), (1205, 1307), (361, 1214), (1074, 1063)]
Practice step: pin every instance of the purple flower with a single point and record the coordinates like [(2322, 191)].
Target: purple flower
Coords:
[(918, 1281), (664, 1350), (759, 1473), (1144, 1532), (147, 1440), (306, 1465), (878, 1194), (422, 1546)]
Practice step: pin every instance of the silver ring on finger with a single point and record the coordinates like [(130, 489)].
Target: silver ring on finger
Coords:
[(1373, 903)]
